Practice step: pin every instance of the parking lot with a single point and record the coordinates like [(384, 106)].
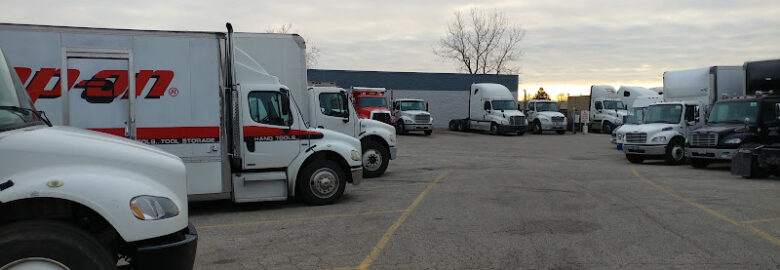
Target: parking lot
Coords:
[(475, 201)]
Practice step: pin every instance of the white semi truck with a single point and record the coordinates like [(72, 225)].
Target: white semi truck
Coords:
[(202, 96), (606, 109), (543, 115), (688, 95), (628, 94), (76, 199), (635, 117), (411, 114), (491, 108)]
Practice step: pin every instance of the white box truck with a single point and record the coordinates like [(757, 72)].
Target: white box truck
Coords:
[(688, 95), (544, 115), (76, 199), (198, 95), (491, 108)]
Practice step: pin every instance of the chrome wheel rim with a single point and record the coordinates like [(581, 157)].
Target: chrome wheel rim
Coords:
[(324, 183), (678, 152), (35, 263), (372, 160)]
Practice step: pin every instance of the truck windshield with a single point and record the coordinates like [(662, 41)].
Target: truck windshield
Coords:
[(412, 106), (504, 105), (373, 102), (663, 113), (635, 115), (546, 107), (734, 112), (16, 110), (613, 105)]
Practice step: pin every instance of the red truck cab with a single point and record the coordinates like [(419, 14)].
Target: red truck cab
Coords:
[(371, 103)]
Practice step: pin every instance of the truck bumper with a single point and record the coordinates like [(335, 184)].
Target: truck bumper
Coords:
[(554, 126), (413, 127), (175, 251), (643, 149), (710, 153), (511, 129), (357, 175), (393, 152)]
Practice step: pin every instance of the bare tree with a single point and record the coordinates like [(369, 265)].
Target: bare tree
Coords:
[(312, 51), (482, 42)]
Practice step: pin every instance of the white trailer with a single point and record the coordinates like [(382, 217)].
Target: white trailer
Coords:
[(606, 109), (232, 123), (76, 199), (492, 108)]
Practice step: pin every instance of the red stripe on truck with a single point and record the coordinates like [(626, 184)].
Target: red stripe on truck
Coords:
[(165, 132)]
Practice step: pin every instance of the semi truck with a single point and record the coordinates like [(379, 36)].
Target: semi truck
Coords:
[(628, 94), (335, 112), (543, 115), (757, 137), (491, 108), (688, 95), (202, 96), (75, 199), (371, 103), (411, 114), (606, 110)]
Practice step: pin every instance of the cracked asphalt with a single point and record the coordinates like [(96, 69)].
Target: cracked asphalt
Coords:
[(508, 202)]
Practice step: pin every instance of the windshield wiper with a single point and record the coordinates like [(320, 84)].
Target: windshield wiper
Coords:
[(27, 111)]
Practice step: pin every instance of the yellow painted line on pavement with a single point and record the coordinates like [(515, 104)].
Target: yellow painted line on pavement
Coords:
[(760, 220), (262, 222), (389, 186), (390, 231), (717, 214)]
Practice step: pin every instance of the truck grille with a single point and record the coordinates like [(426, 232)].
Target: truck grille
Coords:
[(557, 119), (636, 137), (424, 118), (704, 139), (516, 120), (382, 117)]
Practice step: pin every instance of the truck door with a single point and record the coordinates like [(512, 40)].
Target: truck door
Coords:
[(100, 99), (335, 113), (270, 138)]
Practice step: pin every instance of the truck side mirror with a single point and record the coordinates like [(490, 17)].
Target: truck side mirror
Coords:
[(747, 121), (777, 110), (696, 115), (426, 106)]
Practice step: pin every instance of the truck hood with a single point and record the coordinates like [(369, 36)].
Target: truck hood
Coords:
[(550, 114), (719, 129), (365, 112), (653, 128), (509, 113), (415, 113), (371, 123)]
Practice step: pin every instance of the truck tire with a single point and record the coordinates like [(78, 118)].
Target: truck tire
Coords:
[(428, 132), (454, 125), (636, 159), (537, 127), (321, 182), (699, 163), (375, 159), (560, 132), (520, 133), (51, 244), (675, 152), (606, 127), (399, 128), (493, 129)]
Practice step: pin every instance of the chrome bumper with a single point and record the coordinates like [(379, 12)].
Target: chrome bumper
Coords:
[(649, 150), (710, 153)]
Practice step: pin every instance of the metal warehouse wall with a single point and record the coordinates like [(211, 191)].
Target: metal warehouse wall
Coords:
[(446, 93)]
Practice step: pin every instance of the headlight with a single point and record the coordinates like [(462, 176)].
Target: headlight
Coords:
[(504, 122), (355, 155), (153, 208), (431, 119), (618, 121), (733, 141), (408, 121), (620, 136), (659, 139), (544, 119)]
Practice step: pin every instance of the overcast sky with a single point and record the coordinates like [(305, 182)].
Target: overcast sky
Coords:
[(568, 45)]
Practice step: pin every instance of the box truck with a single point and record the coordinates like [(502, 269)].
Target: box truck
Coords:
[(635, 117), (202, 96), (491, 108), (411, 114), (76, 199), (544, 115), (688, 95)]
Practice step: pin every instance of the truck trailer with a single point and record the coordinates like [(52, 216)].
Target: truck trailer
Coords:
[(491, 108), (202, 96)]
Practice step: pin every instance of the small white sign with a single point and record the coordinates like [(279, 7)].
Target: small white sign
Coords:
[(584, 117)]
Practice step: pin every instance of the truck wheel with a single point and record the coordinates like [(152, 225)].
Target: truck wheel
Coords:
[(699, 163), (453, 125), (321, 182), (375, 159), (493, 129), (428, 132), (399, 128), (675, 152), (560, 132), (635, 158), (520, 133), (49, 244), (537, 127), (606, 128)]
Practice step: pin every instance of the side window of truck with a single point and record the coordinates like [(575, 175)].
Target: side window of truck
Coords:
[(333, 104), (690, 113), (266, 108), (598, 105), (768, 112), (487, 105)]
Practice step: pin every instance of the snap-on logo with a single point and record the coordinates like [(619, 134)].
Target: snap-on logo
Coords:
[(103, 87)]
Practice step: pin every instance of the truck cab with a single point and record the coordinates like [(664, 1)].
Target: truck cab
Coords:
[(371, 103), (606, 109), (635, 117), (77, 199), (411, 114), (493, 108), (663, 133), (543, 115), (332, 110)]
